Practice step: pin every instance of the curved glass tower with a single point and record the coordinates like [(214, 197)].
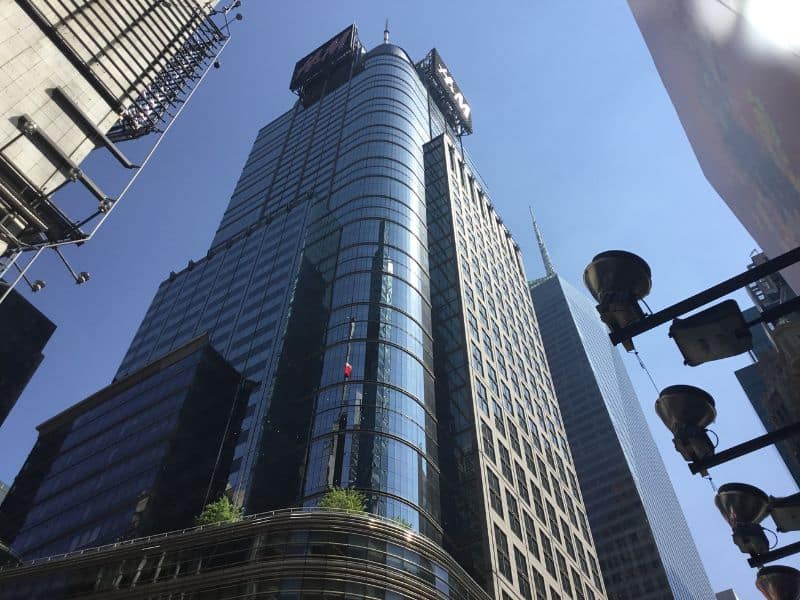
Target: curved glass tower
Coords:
[(364, 291)]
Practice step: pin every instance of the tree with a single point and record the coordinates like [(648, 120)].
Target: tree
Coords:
[(344, 499), (220, 511)]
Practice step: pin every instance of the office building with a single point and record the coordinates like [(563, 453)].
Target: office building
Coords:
[(771, 382), (732, 71), (362, 278), (141, 456), (644, 545), (80, 75), (727, 595), (26, 331)]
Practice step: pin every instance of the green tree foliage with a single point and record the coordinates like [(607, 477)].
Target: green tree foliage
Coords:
[(402, 522), (220, 511), (344, 499)]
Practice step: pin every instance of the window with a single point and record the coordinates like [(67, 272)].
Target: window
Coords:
[(488, 441), (539, 586), (576, 581), (529, 456), (494, 493), (522, 483), (503, 560), (538, 504), (513, 437), (477, 359), (547, 552), (498, 417), (557, 490), (543, 474), (513, 514), (522, 574), (483, 403), (505, 462), (492, 374), (530, 535), (562, 569), (553, 521), (567, 537)]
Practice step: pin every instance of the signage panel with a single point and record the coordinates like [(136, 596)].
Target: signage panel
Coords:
[(328, 54), (456, 96)]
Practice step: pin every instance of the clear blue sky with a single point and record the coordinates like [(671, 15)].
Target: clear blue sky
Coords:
[(570, 116)]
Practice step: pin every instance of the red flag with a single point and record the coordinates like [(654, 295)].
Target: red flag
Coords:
[(348, 370)]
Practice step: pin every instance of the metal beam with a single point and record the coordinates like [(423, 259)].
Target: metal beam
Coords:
[(86, 72), (63, 99), (761, 559), (706, 296), (745, 448)]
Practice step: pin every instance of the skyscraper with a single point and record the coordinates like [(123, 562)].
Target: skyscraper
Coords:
[(361, 276), (645, 548)]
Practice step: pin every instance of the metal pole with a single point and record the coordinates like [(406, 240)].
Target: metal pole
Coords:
[(706, 296), (761, 559), (745, 448)]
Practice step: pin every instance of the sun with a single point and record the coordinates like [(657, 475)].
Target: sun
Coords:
[(777, 21)]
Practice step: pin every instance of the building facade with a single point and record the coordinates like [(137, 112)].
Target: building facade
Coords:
[(81, 75), (361, 277), (141, 456), (644, 545), (286, 554), (733, 75), (26, 331), (771, 382)]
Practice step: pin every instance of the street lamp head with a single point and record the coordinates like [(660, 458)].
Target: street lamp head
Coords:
[(618, 280), (715, 333), (687, 411), (779, 582), (744, 507)]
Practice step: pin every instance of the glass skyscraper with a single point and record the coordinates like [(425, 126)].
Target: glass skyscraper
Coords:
[(645, 548), (362, 278)]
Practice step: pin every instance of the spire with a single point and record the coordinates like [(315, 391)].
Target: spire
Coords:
[(548, 264), (386, 32)]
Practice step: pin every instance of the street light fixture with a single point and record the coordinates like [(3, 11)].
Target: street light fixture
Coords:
[(744, 507), (618, 280), (779, 582), (687, 411)]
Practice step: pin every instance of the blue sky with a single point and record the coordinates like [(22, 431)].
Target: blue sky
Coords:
[(570, 117)]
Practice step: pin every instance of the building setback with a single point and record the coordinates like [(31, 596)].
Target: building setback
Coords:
[(26, 331), (140, 456), (361, 276), (645, 548)]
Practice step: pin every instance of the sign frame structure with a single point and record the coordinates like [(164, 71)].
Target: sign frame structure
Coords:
[(445, 92), (324, 58)]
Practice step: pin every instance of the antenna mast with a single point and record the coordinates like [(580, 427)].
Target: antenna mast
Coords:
[(386, 32), (548, 264)]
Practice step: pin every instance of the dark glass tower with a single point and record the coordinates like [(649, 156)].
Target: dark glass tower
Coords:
[(362, 278), (645, 548)]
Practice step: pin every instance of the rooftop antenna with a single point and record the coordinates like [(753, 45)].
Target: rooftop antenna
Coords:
[(386, 32), (548, 264)]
